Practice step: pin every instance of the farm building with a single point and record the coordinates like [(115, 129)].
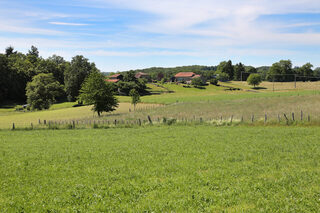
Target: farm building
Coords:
[(187, 77), (143, 76), (115, 78)]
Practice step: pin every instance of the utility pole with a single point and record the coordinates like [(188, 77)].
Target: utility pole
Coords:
[(295, 81)]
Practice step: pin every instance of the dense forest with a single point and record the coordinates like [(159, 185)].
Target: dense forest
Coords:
[(17, 69)]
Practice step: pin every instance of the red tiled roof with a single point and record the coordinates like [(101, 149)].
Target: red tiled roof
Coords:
[(184, 74), (139, 74), (196, 76), (112, 80), (114, 76)]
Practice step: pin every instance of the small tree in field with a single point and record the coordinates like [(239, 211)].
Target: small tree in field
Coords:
[(96, 91), (42, 91), (254, 79), (135, 97)]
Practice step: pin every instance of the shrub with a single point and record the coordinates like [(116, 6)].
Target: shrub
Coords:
[(197, 82), (171, 121), (214, 81), (223, 77)]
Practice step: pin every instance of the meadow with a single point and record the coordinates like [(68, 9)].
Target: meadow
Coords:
[(61, 112), (182, 103), (161, 169)]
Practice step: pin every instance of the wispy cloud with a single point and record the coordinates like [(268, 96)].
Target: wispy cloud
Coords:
[(67, 24), (167, 31)]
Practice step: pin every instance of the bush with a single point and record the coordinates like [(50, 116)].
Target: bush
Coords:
[(223, 77), (171, 121), (214, 81), (196, 82)]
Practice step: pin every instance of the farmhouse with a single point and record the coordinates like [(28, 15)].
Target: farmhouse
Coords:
[(187, 77), (115, 78), (143, 76)]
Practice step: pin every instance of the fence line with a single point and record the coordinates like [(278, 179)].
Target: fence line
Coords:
[(218, 121)]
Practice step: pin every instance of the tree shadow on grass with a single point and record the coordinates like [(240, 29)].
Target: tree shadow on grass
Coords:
[(259, 88), (199, 87)]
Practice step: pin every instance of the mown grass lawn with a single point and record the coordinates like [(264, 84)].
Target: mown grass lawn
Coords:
[(161, 169)]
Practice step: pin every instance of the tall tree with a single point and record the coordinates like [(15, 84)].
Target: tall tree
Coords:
[(10, 51), (281, 71), (4, 78), (227, 68), (43, 91), (238, 70), (33, 51), (305, 72), (95, 91), (75, 74)]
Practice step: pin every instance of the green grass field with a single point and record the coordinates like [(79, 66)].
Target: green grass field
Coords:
[(58, 112), (189, 103), (161, 169)]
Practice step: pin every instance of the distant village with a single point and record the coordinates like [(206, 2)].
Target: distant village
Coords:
[(181, 77)]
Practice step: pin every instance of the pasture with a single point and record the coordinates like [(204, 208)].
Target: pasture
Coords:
[(59, 112), (161, 169), (210, 103)]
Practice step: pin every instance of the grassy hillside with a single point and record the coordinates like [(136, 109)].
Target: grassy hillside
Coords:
[(180, 169), (210, 102), (60, 112), (213, 93)]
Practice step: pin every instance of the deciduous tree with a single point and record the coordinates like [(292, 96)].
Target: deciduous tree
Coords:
[(43, 91), (97, 92), (254, 79)]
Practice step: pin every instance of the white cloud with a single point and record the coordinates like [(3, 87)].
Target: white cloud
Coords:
[(67, 24)]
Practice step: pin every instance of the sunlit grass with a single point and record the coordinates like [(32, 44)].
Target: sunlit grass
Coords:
[(61, 112), (161, 169)]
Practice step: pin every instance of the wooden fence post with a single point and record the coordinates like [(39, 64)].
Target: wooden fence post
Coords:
[(279, 118), (265, 118), (287, 120), (231, 119), (13, 126), (150, 121), (309, 118), (301, 116), (293, 116), (252, 118)]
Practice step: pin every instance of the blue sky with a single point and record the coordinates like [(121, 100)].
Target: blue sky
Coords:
[(127, 34)]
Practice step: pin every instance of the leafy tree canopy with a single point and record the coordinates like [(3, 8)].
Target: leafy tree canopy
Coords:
[(254, 79), (95, 91), (43, 91)]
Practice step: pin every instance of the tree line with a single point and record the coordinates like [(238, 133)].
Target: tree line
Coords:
[(18, 69), (280, 71)]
